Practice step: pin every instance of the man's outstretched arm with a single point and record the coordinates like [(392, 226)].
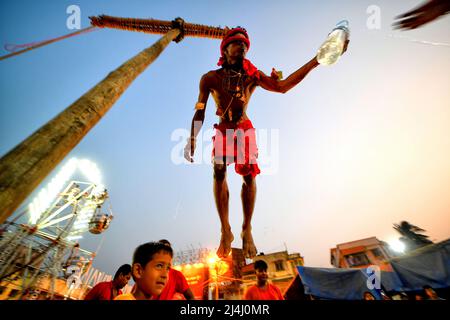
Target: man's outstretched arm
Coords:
[(198, 119), (283, 86)]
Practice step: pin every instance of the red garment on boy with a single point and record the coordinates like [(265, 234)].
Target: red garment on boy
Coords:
[(102, 291), (176, 283)]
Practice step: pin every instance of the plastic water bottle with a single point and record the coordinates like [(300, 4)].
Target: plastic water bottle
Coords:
[(331, 50)]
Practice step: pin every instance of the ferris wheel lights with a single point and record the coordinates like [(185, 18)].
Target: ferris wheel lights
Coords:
[(90, 170), (47, 194), (45, 197)]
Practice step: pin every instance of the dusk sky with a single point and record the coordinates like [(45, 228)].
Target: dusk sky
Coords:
[(351, 150)]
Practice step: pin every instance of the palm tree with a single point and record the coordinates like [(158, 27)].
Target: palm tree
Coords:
[(411, 236)]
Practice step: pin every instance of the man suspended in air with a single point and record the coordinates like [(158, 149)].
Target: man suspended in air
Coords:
[(235, 142)]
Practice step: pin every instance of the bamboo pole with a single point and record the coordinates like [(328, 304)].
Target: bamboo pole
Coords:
[(154, 26)]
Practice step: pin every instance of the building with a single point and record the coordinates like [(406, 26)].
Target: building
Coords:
[(361, 254), (281, 269)]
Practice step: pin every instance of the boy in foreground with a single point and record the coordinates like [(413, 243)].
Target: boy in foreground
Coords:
[(150, 269)]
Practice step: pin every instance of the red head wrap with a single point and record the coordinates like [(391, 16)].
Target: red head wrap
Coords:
[(231, 36)]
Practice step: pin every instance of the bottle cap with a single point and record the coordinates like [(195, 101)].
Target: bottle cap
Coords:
[(343, 25)]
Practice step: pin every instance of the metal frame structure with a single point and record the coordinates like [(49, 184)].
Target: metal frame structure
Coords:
[(42, 253)]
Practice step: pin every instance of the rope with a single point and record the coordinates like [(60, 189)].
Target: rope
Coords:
[(178, 23), (141, 25), (35, 45), (100, 245)]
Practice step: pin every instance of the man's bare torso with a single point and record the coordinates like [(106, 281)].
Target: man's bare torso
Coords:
[(231, 92)]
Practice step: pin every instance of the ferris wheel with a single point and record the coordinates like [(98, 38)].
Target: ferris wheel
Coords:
[(36, 254)]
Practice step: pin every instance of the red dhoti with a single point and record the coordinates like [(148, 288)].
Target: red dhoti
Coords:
[(236, 144)]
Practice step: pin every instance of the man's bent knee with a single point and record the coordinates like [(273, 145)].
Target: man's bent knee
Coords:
[(249, 180), (220, 171)]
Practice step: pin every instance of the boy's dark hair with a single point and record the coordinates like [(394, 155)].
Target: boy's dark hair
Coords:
[(260, 265), (123, 269), (425, 287), (144, 253), (166, 242)]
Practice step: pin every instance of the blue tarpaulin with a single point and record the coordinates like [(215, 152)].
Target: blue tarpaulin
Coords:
[(329, 283), (390, 281), (429, 265)]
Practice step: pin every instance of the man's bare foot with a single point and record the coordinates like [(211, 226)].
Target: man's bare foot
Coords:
[(225, 244), (248, 246)]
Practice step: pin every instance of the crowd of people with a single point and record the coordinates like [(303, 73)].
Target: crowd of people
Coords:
[(155, 279), (428, 293)]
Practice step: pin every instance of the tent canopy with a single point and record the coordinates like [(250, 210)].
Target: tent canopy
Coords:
[(329, 283), (429, 265)]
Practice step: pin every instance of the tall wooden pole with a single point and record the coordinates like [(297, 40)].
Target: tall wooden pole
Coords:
[(25, 166)]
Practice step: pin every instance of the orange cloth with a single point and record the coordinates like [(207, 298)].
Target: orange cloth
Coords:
[(126, 296), (271, 292)]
